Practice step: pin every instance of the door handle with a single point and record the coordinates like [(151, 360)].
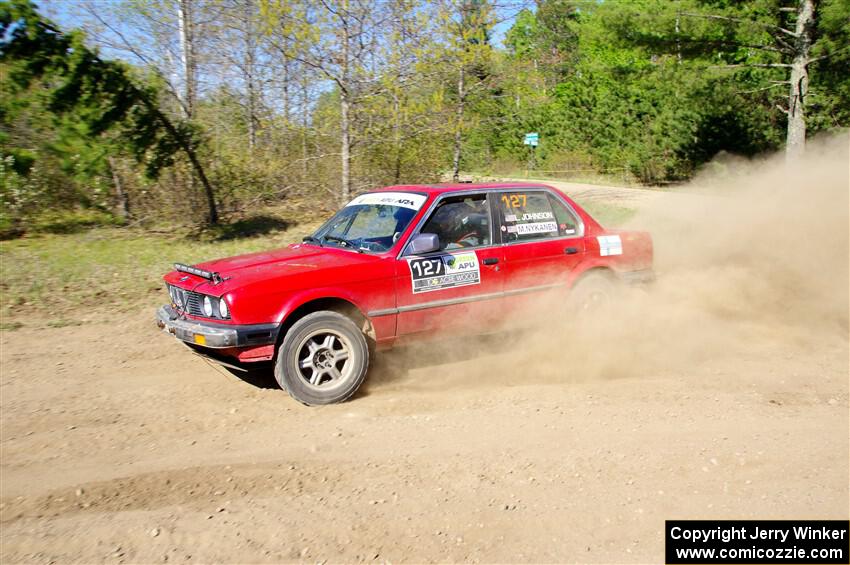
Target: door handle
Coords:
[(570, 250), (491, 261)]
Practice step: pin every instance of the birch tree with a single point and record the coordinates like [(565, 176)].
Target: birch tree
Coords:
[(334, 38), (773, 42), (788, 33), (188, 61), (800, 53), (465, 50)]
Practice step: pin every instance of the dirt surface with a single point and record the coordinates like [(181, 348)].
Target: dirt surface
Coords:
[(712, 397)]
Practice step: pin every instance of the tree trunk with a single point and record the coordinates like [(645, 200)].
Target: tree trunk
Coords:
[(287, 111), (252, 111), (796, 135), (344, 103), (678, 42), (346, 147), (305, 123), (123, 208), (397, 140), (461, 100), (187, 55), (250, 85), (186, 146), (187, 62), (208, 189)]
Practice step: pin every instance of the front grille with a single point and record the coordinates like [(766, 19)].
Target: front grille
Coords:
[(187, 301), (195, 304)]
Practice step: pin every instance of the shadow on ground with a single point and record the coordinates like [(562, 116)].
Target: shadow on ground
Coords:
[(261, 376), (249, 227)]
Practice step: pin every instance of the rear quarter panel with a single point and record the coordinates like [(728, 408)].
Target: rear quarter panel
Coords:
[(637, 253)]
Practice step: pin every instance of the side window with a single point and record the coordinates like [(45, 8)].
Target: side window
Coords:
[(460, 222), (568, 224), (527, 216)]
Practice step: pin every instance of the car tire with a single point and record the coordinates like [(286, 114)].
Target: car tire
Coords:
[(323, 359), (592, 294)]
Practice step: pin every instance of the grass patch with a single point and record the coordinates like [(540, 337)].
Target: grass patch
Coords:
[(115, 268), (58, 222), (10, 326), (609, 215), (72, 221), (63, 323)]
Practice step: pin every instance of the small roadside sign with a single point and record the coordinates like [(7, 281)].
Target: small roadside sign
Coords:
[(532, 139)]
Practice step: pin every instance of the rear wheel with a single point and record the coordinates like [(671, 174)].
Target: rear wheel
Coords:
[(323, 359), (592, 294)]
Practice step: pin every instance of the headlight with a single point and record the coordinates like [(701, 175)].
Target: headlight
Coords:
[(222, 308), (177, 295), (208, 309)]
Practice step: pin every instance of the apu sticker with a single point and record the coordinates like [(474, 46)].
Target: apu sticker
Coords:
[(537, 227), (444, 271), (610, 245), (401, 199)]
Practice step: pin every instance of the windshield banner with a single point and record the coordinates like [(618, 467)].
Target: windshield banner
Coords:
[(399, 199)]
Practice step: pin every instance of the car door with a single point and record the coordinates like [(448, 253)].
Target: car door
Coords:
[(458, 286), (543, 242)]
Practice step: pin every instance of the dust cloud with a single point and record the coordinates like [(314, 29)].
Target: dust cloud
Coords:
[(751, 260)]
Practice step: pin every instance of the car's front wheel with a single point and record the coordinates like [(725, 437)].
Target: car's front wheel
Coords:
[(323, 359)]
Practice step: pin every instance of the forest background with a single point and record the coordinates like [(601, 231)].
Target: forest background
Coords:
[(152, 113)]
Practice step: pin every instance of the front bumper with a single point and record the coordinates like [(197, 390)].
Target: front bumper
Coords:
[(215, 336)]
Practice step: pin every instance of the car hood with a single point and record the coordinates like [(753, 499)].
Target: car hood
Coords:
[(286, 263)]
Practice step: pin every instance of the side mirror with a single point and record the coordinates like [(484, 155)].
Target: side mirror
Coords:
[(423, 243)]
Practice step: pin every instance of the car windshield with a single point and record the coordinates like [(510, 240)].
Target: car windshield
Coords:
[(371, 222)]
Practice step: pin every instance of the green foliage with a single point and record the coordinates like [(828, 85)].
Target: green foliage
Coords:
[(19, 193), (830, 79), (96, 107), (72, 221), (639, 90), (18, 159), (653, 87), (521, 39), (100, 94)]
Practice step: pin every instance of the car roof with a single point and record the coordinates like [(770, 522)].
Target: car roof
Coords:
[(433, 189)]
